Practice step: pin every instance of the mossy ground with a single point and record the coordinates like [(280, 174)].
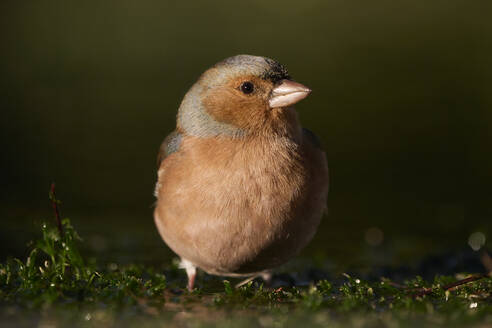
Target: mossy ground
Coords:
[(55, 286)]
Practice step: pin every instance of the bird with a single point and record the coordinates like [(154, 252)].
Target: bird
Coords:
[(241, 185)]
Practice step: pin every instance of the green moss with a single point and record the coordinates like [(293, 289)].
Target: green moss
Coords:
[(56, 283), (55, 272)]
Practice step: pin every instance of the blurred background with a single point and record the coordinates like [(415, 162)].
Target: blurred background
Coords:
[(402, 102)]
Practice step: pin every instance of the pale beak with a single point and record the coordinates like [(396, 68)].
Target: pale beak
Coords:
[(287, 93)]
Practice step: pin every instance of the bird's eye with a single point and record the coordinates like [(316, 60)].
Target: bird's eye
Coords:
[(247, 87)]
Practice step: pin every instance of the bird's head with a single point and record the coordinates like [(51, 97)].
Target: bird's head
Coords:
[(241, 95)]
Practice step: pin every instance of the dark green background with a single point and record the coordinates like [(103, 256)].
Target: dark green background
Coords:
[(402, 102)]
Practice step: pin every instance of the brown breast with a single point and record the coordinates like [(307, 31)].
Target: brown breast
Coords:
[(241, 206)]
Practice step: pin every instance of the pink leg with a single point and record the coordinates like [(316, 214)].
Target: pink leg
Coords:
[(191, 281), (266, 276), (190, 272)]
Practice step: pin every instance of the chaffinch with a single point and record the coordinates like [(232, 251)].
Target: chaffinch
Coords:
[(241, 186)]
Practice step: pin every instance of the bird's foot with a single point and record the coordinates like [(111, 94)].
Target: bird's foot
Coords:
[(266, 276)]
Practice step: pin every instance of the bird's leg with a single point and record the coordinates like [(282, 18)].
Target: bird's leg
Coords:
[(191, 279), (190, 272), (266, 276), (245, 281)]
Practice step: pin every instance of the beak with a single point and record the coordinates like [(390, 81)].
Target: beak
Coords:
[(288, 93)]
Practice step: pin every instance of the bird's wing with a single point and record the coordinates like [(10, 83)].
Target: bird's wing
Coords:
[(169, 145), (313, 138)]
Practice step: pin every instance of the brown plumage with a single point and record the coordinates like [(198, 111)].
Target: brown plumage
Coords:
[(241, 186)]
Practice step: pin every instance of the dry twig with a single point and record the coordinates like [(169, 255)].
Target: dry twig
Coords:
[(54, 203), (427, 291)]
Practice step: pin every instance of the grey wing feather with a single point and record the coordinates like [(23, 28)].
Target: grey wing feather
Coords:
[(313, 138), (169, 145)]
